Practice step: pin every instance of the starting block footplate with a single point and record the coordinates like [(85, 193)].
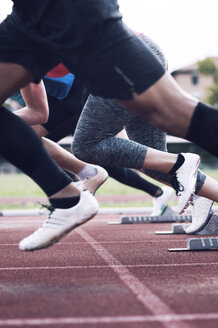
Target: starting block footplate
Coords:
[(199, 244)]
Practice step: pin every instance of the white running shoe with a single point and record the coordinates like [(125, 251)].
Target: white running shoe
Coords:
[(159, 203), (94, 182), (61, 222), (201, 214), (184, 181)]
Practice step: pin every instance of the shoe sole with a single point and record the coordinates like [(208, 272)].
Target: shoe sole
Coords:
[(190, 200), (56, 239)]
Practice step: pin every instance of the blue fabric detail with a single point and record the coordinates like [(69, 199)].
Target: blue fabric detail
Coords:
[(56, 87), (59, 87), (18, 98)]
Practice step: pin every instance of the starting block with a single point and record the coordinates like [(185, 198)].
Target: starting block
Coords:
[(167, 217), (211, 228), (198, 244), (176, 229)]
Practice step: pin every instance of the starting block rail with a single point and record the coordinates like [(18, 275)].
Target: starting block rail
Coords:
[(167, 217)]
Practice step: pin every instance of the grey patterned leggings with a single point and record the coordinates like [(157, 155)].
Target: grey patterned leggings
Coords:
[(100, 121)]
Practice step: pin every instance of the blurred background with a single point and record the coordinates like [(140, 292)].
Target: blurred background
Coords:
[(186, 30)]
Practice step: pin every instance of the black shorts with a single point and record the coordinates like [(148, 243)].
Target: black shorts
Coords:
[(66, 126), (17, 47), (111, 58), (127, 64), (64, 113)]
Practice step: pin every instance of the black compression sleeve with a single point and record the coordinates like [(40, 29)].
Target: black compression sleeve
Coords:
[(20, 145), (132, 179), (203, 129)]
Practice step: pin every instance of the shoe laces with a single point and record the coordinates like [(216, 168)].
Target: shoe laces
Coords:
[(51, 209), (176, 184)]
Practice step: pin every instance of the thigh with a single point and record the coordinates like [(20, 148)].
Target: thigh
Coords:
[(101, 118), (19, 77)]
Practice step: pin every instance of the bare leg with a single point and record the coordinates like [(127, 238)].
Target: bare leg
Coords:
[(65, 159), (69, 191), (165, 105), (209, 189), (13, 78), (159, 161), (92, 176)]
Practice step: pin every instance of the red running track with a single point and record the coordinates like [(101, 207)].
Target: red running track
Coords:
[(106, 276)]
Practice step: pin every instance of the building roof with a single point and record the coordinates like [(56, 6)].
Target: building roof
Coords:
[(192, 67)]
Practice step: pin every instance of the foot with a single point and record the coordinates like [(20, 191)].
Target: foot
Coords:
[(201, 214), (94, 182), (159, 203), (184, 181), (60, 222)]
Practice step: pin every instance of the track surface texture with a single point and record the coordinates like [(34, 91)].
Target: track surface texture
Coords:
[(106, 276)]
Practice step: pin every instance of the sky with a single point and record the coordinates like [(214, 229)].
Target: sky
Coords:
[(186, 30)]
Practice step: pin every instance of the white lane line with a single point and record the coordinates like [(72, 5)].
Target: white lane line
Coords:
[(165, 318), (141, 291), (78, 267)]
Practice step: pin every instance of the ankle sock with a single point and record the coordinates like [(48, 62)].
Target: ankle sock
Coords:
[(64, 202), (176, 166), (203, 129), (87, 172)]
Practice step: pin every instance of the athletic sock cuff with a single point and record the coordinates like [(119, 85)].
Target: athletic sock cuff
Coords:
[(176, 166), (203, 129), (64, 202)]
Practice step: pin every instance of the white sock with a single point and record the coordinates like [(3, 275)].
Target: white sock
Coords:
[(87, 172)]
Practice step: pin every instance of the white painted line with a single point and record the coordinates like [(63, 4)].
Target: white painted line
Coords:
[(78, 267), (175, 319), (141, 291)]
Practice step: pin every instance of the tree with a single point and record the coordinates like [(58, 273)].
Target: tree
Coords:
[(208, 67)]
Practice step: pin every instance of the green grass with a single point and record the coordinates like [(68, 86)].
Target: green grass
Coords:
[(19, 185)]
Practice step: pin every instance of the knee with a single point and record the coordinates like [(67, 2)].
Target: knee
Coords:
[(76, 150), (81, 153)]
